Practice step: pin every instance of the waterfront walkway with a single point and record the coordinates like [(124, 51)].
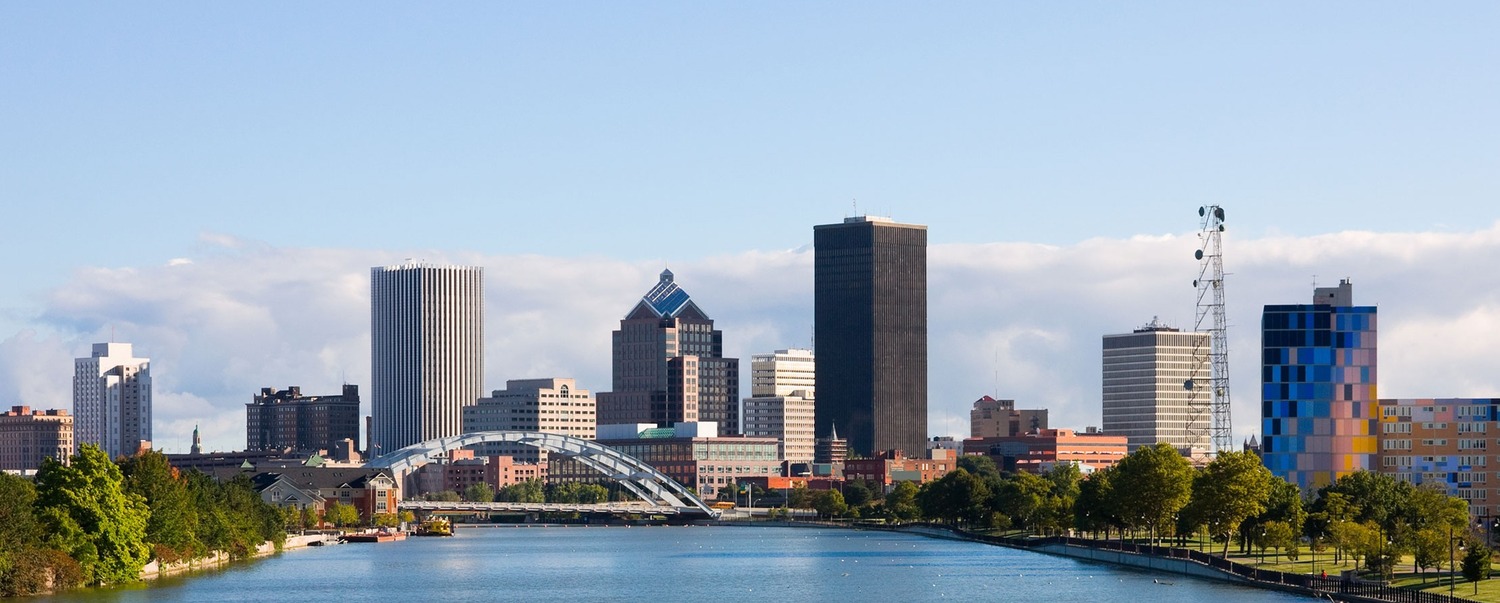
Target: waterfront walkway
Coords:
[(1175, 560)]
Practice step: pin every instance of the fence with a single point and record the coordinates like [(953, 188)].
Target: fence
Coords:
[(1314, 585)]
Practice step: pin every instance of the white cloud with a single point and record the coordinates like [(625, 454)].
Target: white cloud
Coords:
[(1015, 320)]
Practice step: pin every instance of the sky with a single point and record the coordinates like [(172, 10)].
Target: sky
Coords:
[(213, 182)]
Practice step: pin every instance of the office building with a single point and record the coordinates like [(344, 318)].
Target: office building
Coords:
[(690, 453), (1040, 451), (1319, 406), (669, 365), (28, 436), (426, 351), (1145, 394), (870, 325), (541, 405), (991, 418), (288, 420), (112, 400), (1443, 443), (781, 402)]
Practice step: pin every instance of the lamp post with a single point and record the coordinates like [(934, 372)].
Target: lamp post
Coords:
[(1452, 577)]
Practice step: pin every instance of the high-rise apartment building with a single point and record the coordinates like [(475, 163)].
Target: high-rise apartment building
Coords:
[(669, 365), (542, 405), (28, 436), (1145, 394), (870, 325), (426, 351), (1319, 406), (1444, 442), (286, 419), (991, 418), (781, 402), (112, 400)]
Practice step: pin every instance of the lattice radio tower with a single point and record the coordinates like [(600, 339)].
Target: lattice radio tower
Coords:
[(1210, 285)]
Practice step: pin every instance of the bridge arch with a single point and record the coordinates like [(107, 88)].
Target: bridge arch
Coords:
[(639, 478)]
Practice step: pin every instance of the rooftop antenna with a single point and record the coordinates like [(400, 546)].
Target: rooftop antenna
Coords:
[(1211, 317)]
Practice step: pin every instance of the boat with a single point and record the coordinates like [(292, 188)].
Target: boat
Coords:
[(436, 526)]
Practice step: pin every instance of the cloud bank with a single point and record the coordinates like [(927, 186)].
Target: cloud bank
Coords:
[(1012, 320)]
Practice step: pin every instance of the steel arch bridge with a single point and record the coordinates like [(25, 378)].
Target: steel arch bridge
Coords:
[(639, 478)]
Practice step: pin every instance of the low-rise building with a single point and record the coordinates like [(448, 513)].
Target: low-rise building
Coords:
[(1038, 452), (690, 453), (893, 466), (463, 469), (370, 491), (28, 436)]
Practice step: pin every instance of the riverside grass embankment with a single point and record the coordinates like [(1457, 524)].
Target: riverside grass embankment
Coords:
[(1185, 562), (155, 569)]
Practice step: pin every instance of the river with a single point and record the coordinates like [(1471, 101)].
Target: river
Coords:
[(667, 564)]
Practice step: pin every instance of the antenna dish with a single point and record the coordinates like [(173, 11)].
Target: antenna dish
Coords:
[(1188, 385), (1219, 213), (1198, 255), (1200, 211)]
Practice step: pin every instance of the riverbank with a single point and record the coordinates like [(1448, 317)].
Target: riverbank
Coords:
[(1184, 562), (155, 569)]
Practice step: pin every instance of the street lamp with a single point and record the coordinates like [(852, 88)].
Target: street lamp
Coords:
[(1452, 577)]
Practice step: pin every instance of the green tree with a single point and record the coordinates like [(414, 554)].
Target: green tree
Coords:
[(1151, 486), (444, 496), (341, 515), (799, 497), (1476, 563), (1065, 479), (901, 503), (27, 566), (1233, 488), (528, 491), (1431, 550), (85, 509), (1026, 499), (386, 520), (857, 493), (480, 492), (172, 526), (981, 466), (1094, 510), (1280, 536), (829, 503), (406, 516), (958, 497)]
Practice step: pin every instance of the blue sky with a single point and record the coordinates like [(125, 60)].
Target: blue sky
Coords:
[(716, 135)]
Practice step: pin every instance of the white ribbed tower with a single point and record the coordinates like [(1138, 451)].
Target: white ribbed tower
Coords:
[(426, 351)]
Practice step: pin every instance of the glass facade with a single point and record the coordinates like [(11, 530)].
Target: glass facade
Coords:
[(1319, 408)]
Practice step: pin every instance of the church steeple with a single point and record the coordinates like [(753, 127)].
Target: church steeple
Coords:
[(197, 442)]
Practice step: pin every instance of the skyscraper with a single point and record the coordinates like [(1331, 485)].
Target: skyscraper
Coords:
[(870, 326), (112, 400), (669, 365), (1319, 408), (781, 402), (1144, 395), (426, 351)]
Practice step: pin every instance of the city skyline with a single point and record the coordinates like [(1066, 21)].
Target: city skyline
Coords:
[(1058, 156)]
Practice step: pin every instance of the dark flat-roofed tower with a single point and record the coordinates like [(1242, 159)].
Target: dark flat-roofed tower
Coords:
[(870, 313)]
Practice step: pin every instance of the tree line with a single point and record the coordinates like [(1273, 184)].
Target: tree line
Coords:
[(1155, 494), (93, 521)]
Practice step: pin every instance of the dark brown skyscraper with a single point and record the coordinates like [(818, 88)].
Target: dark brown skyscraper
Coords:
[(870, 312), (286, 419)]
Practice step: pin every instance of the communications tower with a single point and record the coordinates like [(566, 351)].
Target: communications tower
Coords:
[(1210, 285)]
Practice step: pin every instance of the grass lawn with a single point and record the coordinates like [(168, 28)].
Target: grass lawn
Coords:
[(1435, 582)]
